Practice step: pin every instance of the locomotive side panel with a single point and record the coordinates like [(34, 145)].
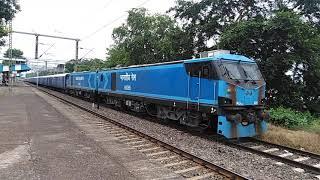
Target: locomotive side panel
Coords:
[(103, 81), (171, 83), (167, 82), (85, 81)]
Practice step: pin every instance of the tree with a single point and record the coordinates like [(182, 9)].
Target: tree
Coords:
[(69, 66), (117, 55), (85, 65), (148, 38), (309, 9), (205, 20), (282, 44), (8, 8), (16, 54)]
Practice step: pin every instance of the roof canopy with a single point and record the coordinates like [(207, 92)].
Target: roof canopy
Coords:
[(15, 67)]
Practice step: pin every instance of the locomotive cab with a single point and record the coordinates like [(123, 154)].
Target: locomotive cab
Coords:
[(237, 89), (244, 84)]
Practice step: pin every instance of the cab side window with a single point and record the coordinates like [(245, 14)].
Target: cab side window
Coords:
[(204, 69), (195, 71)]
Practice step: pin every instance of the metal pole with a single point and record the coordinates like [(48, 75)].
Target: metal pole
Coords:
[(36, 57), (37, 77), (37, 46), (10, 55), (77, 49)]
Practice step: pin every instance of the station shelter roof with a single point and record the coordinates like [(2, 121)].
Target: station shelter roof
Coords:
[(15, 67)]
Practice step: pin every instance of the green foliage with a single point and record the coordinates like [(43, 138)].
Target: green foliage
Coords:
[(3, 32), (69, 66), (16, 53), (310, 9), (31, 75), (7, 10), (117, 56), (207, 19), (148, 38), (281, 44), (291, 119), (85, 65)]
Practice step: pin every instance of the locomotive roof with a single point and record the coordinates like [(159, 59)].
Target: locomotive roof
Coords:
[(231, 57)]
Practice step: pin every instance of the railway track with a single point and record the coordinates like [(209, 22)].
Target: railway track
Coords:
[(301, 160), (181, 162)]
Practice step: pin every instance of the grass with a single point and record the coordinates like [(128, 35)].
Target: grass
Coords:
[(291, 119), (314, 127), (307, 139), (288, 127)]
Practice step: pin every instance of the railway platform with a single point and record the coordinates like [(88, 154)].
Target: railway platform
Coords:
[(39, 140)]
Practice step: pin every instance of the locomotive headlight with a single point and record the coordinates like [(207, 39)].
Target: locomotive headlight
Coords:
[(245, 123), (229, 90)]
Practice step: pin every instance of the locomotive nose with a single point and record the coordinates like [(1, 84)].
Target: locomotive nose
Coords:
[(235, 118), (248, 117)]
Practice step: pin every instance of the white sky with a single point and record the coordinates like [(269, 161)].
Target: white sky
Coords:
[(76, 19)]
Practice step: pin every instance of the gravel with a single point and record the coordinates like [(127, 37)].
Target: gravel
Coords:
[(245, 163)]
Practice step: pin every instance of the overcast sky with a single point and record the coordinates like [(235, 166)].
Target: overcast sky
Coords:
[(77, 19)]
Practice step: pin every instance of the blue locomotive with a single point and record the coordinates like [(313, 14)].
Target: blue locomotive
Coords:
[(224, 92)]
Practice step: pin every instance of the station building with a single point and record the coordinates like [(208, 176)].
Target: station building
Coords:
[(12, 71)]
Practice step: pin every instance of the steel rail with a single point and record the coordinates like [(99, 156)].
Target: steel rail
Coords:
[(306, 167), (298, 151), (216, 168)]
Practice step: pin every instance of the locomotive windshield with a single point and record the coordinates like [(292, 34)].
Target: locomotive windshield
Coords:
[(238, 70)]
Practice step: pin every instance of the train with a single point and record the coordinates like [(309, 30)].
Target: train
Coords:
[(223, 93)]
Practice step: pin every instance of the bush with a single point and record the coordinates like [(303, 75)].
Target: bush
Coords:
[(289, 118)]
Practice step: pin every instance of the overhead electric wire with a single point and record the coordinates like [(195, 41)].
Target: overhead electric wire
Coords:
[(47, 50), (113, 21), (105, 6), (102, 27)]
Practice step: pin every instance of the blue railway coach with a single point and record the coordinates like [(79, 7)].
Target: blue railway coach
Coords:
[(224, 92), (55, 81)]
